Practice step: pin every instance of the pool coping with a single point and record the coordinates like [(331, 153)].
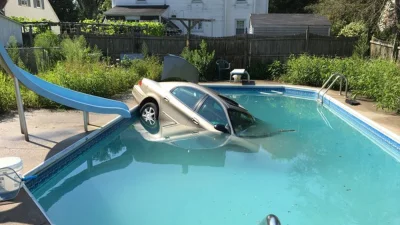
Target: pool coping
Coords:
[(328, 100)]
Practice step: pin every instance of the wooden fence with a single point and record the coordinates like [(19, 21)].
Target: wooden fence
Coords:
[(382, 50), (241, 50)]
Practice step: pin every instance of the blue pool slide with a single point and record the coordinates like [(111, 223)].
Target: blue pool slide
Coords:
[(64, 96)]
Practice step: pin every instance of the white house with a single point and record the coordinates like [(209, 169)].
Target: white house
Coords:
[(32, 9), (230, 17)]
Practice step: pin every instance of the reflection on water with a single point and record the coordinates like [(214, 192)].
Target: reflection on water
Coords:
[(323, 173)]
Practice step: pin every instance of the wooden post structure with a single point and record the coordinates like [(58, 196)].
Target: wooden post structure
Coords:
[(246, 48), (307, 38), (191, 23), (30, 35)]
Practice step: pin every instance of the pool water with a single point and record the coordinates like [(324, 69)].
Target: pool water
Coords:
[(326, 172)]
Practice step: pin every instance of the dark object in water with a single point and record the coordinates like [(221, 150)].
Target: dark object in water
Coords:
[(352, 102), (272, 220)]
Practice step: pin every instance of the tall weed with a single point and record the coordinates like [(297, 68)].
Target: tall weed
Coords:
[(375, 79), (50, 53), (200, 58)]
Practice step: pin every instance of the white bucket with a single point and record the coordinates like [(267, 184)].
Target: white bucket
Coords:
[(9, 180)]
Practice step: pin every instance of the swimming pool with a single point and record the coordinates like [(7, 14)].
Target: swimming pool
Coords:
[(332, 170)]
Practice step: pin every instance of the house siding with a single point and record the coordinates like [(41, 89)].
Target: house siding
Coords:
[(224, 24), (9, 28), (13, 9)]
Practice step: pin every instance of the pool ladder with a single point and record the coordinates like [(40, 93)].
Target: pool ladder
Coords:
[(321, 92)]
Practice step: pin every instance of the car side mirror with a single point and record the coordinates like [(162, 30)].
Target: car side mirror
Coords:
[(222, 128)]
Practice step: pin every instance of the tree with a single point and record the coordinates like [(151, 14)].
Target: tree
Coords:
[(343, 12), (89, 9), (290, 6), (66, 10)]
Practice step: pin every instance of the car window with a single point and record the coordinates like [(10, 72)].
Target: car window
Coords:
[(228, 100), (213, 112), (240, 120), (188, 95)]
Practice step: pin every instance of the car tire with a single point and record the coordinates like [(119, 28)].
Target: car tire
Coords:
[(149, 114)]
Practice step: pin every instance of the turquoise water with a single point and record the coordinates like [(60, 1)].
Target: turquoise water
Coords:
[(325, 172)]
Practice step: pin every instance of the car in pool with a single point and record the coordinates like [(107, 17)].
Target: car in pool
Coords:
[(192, 105)]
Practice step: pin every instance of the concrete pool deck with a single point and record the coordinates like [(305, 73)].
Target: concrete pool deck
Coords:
[(52, 131)]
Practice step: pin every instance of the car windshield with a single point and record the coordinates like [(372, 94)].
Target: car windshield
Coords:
[(228, 100), (240, 120)]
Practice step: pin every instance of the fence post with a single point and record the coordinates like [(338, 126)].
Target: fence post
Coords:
[(188, 34), (246, 49), (395, 47), (30, 35), (307, 38)]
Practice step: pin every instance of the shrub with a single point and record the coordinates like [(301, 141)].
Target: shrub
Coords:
[(276, 69), (149, 67), (354, 29), (76, 50), (36, 29), (375, 79), (357, 29), (14, 53), (200, 58), (121, 27), (7, 96), (50, 54)]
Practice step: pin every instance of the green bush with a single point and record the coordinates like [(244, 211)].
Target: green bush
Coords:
[(149, 67), (7, 96), (76, 51), (96, 78), (121, 27), (375, 79), (276, 69), (50, 53), (200, 58), (354, 29), (13, 51), (81, 70), (36, 29)]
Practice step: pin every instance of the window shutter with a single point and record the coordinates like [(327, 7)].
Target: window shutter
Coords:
[(34, 4), (42, 1), (29, 3), (19, 2)]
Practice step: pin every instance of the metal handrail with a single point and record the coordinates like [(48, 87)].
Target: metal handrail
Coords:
[(337, 76)]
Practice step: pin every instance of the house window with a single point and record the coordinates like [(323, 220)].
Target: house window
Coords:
[(198, 27), (24, 2), (240, 26), (37, 3)]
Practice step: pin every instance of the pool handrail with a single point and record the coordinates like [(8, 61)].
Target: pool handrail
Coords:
[(337, 76)]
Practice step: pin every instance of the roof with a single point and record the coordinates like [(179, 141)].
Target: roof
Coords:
[(137, 10), (273, 19)]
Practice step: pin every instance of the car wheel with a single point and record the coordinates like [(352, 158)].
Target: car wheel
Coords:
[(149, 114)]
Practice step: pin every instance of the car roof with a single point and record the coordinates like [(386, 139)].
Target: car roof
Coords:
[(208, 91)]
